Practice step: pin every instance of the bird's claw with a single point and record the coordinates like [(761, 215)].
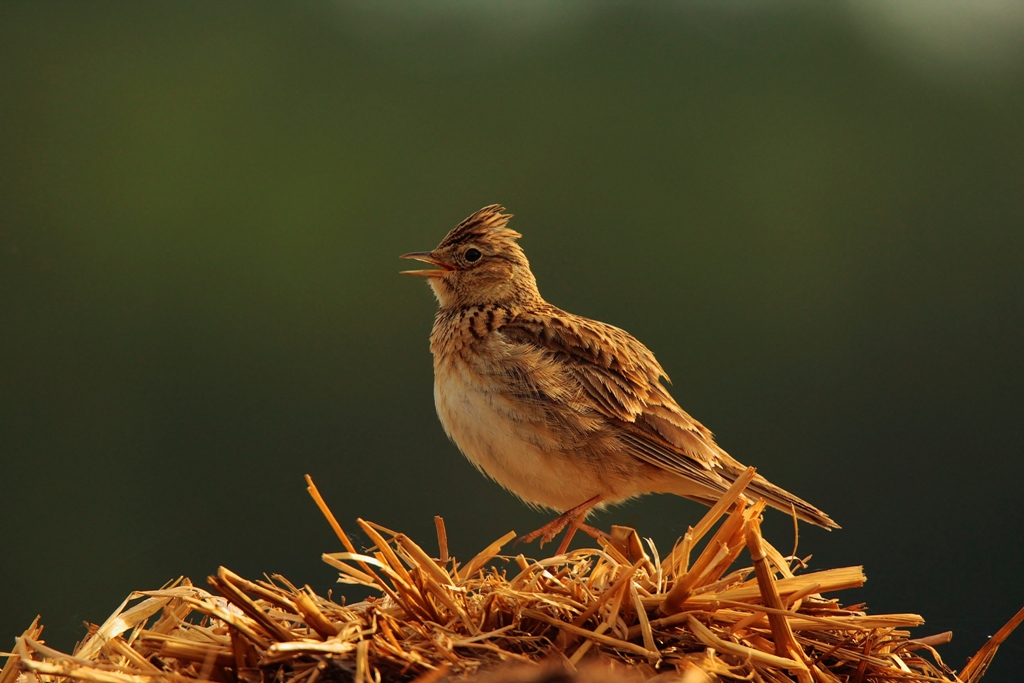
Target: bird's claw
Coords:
[(546, 533)]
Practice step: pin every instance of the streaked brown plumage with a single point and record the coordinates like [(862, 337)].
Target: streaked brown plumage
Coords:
[(565, 412)]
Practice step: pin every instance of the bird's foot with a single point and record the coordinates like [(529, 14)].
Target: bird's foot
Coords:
[(546, 533), (572, 518)]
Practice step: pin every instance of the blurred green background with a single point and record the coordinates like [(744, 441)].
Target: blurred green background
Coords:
[(813, 215)]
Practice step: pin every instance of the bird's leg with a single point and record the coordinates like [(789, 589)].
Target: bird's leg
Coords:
[(573, 518)]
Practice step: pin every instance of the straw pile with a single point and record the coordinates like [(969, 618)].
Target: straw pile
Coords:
[(684, 615)]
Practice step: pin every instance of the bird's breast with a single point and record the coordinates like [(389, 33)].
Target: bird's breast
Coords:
[(505, 438)]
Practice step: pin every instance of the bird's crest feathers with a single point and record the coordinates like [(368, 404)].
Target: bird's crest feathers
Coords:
[(488, 222)]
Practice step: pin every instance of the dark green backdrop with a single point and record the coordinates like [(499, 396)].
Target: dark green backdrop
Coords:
[(201, 205)]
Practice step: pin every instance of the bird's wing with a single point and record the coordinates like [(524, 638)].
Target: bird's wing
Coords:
[(622, 380)]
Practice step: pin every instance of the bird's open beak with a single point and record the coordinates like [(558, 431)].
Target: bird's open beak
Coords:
[(426, 257)]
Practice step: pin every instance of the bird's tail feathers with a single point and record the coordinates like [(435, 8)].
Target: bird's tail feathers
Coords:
[(786, 502)]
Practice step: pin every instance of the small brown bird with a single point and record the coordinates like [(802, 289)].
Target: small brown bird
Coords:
[(565, 412)]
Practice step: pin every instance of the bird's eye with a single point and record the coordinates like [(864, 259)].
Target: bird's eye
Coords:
[(472, 255)]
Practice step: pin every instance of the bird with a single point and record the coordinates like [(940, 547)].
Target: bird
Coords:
[(567, 413)]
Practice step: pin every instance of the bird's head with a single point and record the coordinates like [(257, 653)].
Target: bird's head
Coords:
[(479, 262)]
